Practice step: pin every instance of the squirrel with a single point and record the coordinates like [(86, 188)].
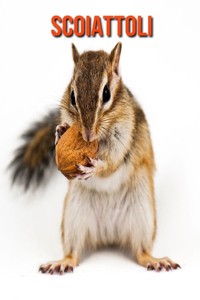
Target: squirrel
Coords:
[(111, 201)]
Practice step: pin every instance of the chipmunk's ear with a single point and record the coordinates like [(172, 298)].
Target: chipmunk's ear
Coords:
[(75, 54), (115, 56)]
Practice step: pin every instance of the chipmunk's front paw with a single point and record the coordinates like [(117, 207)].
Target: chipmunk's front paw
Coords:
[(88, 171), (60, 130)]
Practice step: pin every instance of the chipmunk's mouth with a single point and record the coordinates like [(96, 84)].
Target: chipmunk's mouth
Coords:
[(88, 135)]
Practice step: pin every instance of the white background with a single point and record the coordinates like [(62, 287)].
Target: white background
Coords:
[(163, 73)]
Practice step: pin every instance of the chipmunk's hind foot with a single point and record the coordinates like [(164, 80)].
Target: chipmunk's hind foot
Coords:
[(60, 267), (162, 263), (157, 264), (56, 267)]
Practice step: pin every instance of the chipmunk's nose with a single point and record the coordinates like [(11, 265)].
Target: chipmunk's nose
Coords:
[(88, 135)]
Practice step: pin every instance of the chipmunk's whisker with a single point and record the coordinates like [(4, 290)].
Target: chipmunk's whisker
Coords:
[(106, 120), (101, 133), (126, 122), (113, 134), (63, 106)]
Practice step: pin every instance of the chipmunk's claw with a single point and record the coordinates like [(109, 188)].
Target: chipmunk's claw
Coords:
[(69, 269), (177, 266), (44, 268), (149, 267), (93, 162)]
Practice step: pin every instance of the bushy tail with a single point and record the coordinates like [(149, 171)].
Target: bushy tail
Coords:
[(33, 157)]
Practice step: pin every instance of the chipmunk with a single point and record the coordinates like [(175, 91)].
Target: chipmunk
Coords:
[(111, 201)]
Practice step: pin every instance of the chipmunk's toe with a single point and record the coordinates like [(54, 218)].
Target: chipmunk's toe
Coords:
[(93, 162), (44, 268)]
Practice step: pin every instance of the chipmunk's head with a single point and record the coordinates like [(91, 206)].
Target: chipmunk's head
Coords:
[(90, 97)]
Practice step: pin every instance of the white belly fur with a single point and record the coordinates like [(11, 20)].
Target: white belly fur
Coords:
[(107, 211)]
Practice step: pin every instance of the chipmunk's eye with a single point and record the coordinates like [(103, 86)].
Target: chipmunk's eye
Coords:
[(106, 94), (73, 101)]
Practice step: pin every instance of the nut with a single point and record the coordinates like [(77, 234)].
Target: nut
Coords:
[(72, 149)]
